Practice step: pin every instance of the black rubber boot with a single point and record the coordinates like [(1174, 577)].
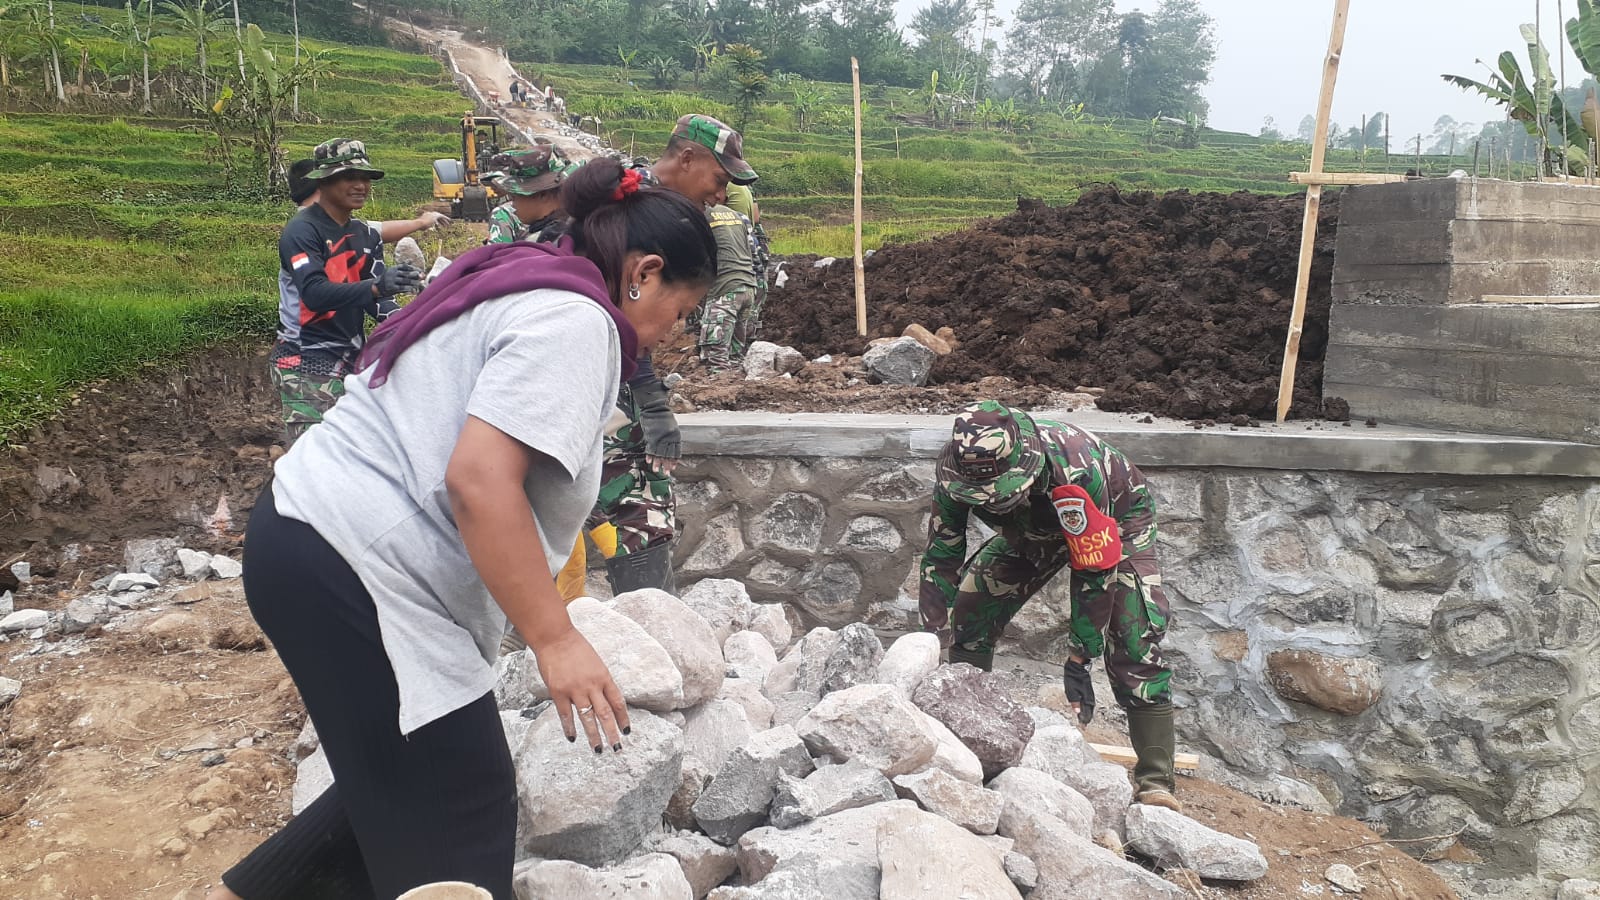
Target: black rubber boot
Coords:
[(649, 568), (1155, 743), (984, 660)]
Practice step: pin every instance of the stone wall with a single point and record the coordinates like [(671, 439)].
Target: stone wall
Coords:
[(1416, 647)]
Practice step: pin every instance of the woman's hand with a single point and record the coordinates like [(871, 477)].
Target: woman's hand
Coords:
[(579, 682), (486, 479)]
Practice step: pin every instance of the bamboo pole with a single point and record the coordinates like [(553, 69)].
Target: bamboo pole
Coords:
[(861, 265), (1308, 230)]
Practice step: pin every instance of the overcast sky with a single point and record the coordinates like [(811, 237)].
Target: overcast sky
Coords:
[(1270, 52)]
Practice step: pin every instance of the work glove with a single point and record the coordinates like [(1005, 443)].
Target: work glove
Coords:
[(660, 426), (401, 279), (384, 309), (1080, 690)]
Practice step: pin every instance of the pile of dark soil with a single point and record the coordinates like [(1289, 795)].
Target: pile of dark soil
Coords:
[(1176, 305)]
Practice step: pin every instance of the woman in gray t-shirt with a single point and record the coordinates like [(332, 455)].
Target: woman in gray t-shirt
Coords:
[(431, 507)]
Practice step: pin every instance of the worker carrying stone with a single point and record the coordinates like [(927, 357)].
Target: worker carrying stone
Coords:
[(1057, 497), (532, 179)]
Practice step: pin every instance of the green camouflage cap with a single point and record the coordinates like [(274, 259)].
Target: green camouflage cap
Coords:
[(341, 155), (528, 172), (994, 454), (723, 142)]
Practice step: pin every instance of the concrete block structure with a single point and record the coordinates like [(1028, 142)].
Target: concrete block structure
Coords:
[(1469, 305)]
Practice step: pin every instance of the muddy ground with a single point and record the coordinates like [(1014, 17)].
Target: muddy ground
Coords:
[(1175, 305)]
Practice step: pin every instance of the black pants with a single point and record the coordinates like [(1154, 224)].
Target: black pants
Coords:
[(438, 804)]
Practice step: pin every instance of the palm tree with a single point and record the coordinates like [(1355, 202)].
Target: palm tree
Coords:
[(196, 23)]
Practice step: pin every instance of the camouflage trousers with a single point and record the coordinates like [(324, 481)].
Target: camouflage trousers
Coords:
[(1120, 613), (637, 501), (752, 331), (725, 329), (306, 399)]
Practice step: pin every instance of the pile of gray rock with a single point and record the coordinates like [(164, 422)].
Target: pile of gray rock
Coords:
[(765, 768), (147, 564)]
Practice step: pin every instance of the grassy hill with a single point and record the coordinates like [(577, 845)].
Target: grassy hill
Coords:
[(123, 241)]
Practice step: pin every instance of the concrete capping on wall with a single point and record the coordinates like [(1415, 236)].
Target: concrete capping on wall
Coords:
[(1324, 447)]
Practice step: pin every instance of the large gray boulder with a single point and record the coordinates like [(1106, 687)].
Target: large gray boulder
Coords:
[(911, 658), (924, 856), (835, 857), (900, 361), (854, 659), (771, 622), (714, 730), (757, 708), (594, 808), (976, 707), (653, 876), (156, 557), (311, 777), (687, 638), (1173, 840), (790, 708), (723, 603), (1061, 752), (967, 805), (705, 862), (748, 656), (826, 791), (642, 668), (873, 723), (1069, 864), (814, 652), (1027, 791), (515, 675), (740, 795), (952, 757)]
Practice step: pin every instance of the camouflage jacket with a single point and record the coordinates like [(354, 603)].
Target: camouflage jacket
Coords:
[(504, 226), (1072, 456)]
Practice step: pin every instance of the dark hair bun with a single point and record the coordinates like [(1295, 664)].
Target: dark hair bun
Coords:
[(593, 186)]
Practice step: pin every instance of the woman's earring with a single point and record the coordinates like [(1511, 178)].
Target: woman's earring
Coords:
[(633, 292)]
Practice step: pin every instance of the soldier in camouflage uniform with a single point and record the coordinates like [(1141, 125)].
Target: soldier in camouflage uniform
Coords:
[(743, 202), (1058, 497), (532, 178), (640, 449), (725, 313)]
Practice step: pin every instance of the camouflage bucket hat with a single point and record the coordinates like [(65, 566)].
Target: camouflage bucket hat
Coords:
[(994, 454), (341, 155), (528, 172), (722, 141)]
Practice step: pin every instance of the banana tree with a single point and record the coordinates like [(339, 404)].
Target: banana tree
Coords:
[(806, 99), (197, 21), (1533, 101), (262, 102)]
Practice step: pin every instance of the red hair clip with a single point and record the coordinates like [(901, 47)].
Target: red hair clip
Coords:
[(628, 185)]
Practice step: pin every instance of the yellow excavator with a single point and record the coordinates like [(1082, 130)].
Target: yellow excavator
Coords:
[(457, 182)]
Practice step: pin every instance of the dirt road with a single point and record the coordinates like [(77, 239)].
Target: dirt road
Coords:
[(490, 70)]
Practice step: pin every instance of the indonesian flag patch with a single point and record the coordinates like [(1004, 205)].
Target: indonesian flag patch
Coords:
[(1093, 538), (299, 259)]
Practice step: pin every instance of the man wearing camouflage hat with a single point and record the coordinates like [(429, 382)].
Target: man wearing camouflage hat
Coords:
[(642, 445), (336, 275), (1057, 497), (532, 179)]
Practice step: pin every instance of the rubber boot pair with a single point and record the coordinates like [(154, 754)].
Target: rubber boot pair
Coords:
[(648, 568), (1154, 743)]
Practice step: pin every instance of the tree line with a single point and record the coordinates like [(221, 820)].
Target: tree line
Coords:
[(1078, 55)]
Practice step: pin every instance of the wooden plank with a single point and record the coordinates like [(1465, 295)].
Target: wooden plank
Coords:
[(1540, 301), (1308, 228), (1344, 178), (861, 266), (1183, 762)]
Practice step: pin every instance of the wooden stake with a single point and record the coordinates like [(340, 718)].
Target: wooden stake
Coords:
[(1182, 762), (1308, 230), (861, 264)]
